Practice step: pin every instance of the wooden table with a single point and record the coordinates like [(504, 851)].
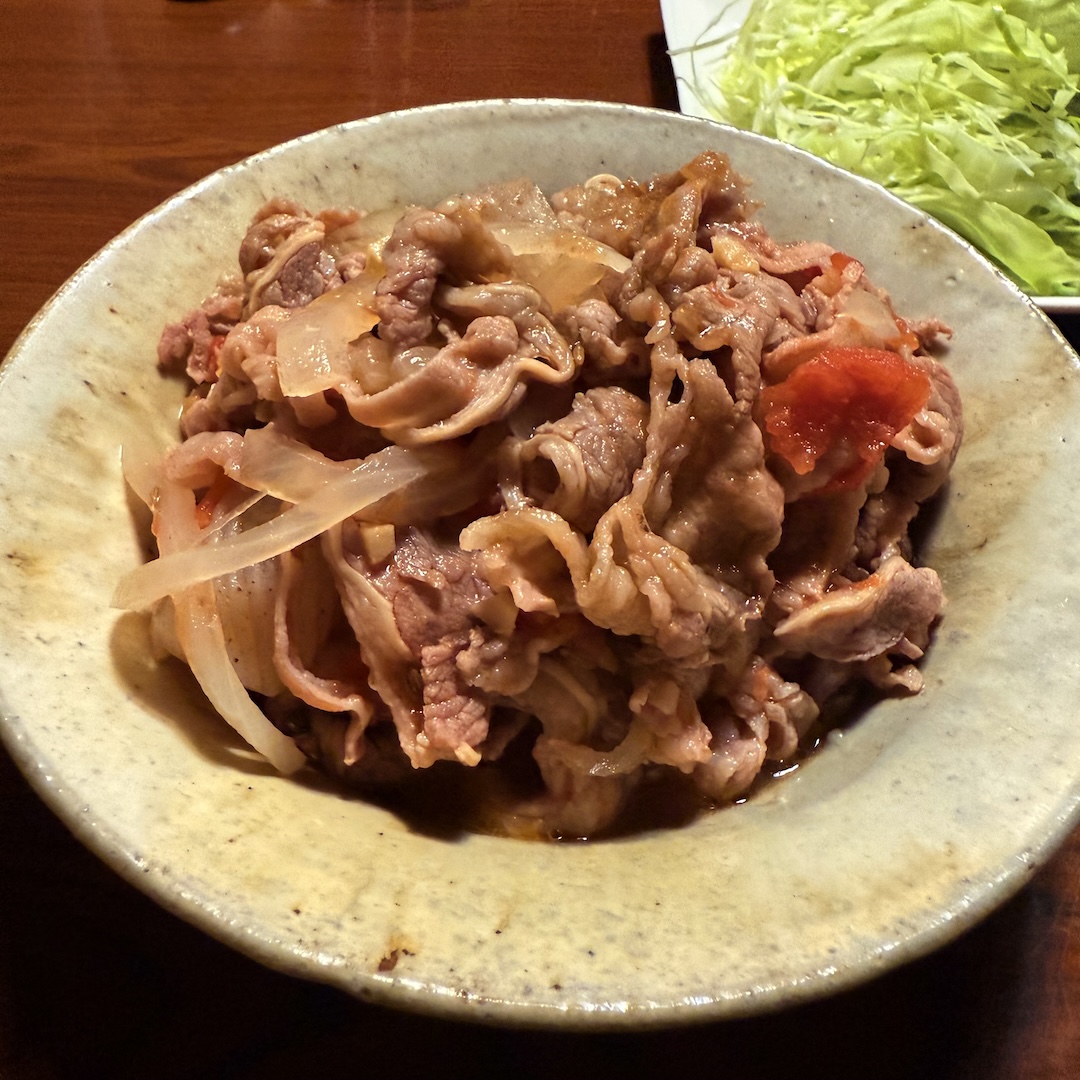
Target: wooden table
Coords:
[(106, 108)]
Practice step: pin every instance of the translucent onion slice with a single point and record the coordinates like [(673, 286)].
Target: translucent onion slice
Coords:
[(199, 630), (140, 463), (200, 634), (313, 343), (292, 471), (245, 602), (367, 234), (561, 280), (869, 320), (278, 465), (530, 240), (375, 477)]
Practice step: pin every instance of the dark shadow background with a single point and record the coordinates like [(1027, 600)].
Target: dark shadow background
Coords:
[(118, 988)]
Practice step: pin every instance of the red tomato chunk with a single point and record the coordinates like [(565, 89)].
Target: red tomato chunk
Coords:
[(844, 406)]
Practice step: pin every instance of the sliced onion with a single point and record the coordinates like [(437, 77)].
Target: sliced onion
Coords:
[(375, 477), (367, 234), (199, 630), (272, 462), (140, 463), (202, 640), (245, 602), (869, 320), (313, 343), (561, 280), (530, 240)]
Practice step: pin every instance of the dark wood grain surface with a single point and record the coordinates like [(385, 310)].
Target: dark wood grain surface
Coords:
[(107, 107)]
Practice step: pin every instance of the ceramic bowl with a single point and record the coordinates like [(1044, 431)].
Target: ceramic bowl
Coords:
[(896, 835)]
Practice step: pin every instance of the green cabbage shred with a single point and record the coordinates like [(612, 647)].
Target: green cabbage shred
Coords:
[(967, 109)]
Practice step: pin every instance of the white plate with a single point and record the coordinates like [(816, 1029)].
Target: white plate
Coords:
[(709, 24), (927, 813)]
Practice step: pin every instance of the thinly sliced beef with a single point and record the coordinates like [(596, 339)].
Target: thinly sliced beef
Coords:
[(282, 258), (615, 212), (579, 465), (622, 213), (435, 592), (306, 274), (892, 609), (308, 653), (661, 560), (931, 441), (661, 565), (704, 451), (474, 379), (246, 374), (775, 258), (578, 803), (763, 719), (414, 258), (611, 350), (413, 614), (456, 715), (422, 246), (608, 565), (738, 316), (737, 755), (391, 663), (570, 699)]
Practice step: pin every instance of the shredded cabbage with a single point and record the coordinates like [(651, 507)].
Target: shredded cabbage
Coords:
[(968, 109)]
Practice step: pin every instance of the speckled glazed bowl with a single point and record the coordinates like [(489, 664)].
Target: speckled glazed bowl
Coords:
[(924, 815)]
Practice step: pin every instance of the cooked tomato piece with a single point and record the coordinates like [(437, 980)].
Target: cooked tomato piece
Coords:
[(843, 405), (204, 508), (829, 276)]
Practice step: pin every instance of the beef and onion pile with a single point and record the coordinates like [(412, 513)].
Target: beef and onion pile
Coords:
[(610, 485)]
